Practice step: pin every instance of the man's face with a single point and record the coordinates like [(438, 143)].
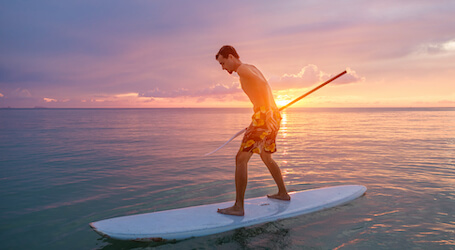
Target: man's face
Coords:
[(226, 63)]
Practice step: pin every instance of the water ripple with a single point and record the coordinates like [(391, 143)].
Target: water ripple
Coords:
[(62, 169)]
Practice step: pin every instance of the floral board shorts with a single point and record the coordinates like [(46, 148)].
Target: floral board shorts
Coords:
[(262, 132)]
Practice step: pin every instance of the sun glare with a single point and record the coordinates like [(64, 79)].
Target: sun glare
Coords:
[(282, 100)]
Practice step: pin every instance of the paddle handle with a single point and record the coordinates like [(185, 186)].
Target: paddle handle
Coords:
[(311, 91)]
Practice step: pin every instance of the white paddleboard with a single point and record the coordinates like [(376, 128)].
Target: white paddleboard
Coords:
[(183, 223)]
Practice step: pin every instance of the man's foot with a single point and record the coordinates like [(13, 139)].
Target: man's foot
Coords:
[(232, 211), (284, 197)]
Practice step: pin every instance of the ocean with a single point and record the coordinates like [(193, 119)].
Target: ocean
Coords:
[(64, 168)]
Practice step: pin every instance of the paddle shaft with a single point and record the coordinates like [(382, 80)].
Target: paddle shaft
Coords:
[(311, 91), (287, 105)]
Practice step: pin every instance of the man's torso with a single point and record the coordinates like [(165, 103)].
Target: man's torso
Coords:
[(256, 87)]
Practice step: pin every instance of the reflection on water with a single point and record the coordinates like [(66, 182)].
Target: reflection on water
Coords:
[(62, 169)]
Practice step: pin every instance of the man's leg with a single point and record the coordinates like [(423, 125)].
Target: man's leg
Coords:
[(276, 174), (241, 179)]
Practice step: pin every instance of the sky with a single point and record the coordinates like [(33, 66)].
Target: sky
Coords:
[(151, 54)]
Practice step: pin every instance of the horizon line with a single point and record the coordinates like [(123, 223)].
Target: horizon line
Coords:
[(364, 107)]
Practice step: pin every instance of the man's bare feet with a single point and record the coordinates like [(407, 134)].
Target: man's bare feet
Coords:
[(234, 210), (284, 197)]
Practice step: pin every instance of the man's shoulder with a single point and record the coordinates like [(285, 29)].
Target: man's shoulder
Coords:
[(246, 70), (244, 67)]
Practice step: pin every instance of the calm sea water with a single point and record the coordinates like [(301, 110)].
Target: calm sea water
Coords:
[(64, 168)]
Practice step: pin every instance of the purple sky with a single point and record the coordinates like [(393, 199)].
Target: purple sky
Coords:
[(162, 53)]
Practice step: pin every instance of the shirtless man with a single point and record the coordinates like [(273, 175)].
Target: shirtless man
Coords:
[(260, 135)]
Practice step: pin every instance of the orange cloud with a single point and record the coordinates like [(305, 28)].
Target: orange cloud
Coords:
[(49, 99)]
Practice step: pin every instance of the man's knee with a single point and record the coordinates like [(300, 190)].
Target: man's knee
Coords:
[(266, 156), (242, 157)]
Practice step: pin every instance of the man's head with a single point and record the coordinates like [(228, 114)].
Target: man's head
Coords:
[(228, 58), (227, 50)]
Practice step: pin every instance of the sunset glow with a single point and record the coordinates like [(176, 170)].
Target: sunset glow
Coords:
[(282, 100), (153, 54)]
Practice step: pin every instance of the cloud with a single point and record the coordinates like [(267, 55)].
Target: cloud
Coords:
[(22, 93), (310, 75), (437, 48), (49, 99), (350, 77), (212, 91), (126, 95), (1, 95), (220, 89), (222, 93), (157, 92)]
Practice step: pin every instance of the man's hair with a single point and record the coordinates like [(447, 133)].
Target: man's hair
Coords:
[(226, 50)]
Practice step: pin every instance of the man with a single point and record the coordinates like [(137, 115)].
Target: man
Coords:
[(261, 134)]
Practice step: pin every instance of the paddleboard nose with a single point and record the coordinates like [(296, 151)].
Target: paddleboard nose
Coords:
[(92, 225)]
